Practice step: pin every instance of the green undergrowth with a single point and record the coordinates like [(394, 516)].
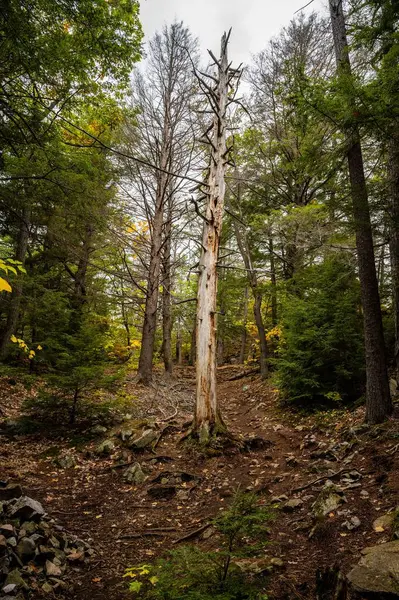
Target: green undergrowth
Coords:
[(192, 573)]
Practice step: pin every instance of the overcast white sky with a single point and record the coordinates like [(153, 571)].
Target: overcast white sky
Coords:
[(254, 22)]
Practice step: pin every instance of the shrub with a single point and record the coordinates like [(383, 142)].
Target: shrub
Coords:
[(193, 574), (321, 354)]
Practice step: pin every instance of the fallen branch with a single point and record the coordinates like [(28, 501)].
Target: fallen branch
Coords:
[(134, 536), (308, 485), (155, 531), (393, 449), (244, 374), (192, 534)]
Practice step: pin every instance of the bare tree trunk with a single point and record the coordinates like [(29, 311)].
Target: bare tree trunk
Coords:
[(15, 301), (208, 420), (378, 399), (166, 295), (244, 328)]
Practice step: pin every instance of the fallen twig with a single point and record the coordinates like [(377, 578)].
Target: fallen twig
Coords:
[(192, 534), (134, 536), (393, 449), (308, 485)]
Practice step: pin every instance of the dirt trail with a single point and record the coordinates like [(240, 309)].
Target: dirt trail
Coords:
[(93, 501)]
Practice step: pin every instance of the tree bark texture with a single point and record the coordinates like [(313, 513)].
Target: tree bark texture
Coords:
[(208, 420), (166, 296), (378, 400)]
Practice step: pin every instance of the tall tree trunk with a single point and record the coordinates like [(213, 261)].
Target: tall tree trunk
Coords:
[(378, 399), (264, 368), (273, 282), (152, 293), (208, 420), (166, 294), (244, 328), (253, 283), (15, 301), (79, 296), (393, 173), (179, 357)]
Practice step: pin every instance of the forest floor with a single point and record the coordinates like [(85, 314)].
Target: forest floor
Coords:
[(127, 526)]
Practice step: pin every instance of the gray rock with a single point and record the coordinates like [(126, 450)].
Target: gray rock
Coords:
[(52, 570), (26, 509), (47, 588), (352, 523), (7, 530), (106, 447), (125, 434), (385, 521), (11, 588), (135, 474), (98, 430), (66, 462), (14, 577), (327, 501), (12, 541), (147, 438), (364, 494), (377, 571), (26, 549), (10, 492), (292, 505)]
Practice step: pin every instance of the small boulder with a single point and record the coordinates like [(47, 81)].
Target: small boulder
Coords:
[(14, 577), (66, 462), (26, 509), (292, 505), (135, 474), (98, 430), (11, 588), (377, 572), (125, 434), (7, 530), (106, 448), (327, 501), (147, 438), (351, 523), (47, 588), (52, 570), (10, 492), (26, 549), (385, 521)]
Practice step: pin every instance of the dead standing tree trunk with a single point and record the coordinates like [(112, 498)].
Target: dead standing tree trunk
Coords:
[(208, 420), (378, 400)]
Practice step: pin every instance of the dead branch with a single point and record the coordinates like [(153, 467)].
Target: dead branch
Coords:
[(320, 479), (192, 534), (244, 374)]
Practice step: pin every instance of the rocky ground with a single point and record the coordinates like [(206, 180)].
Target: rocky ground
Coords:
[(121, 495)]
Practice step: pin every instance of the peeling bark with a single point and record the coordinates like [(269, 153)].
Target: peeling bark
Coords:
[(208, 420)]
